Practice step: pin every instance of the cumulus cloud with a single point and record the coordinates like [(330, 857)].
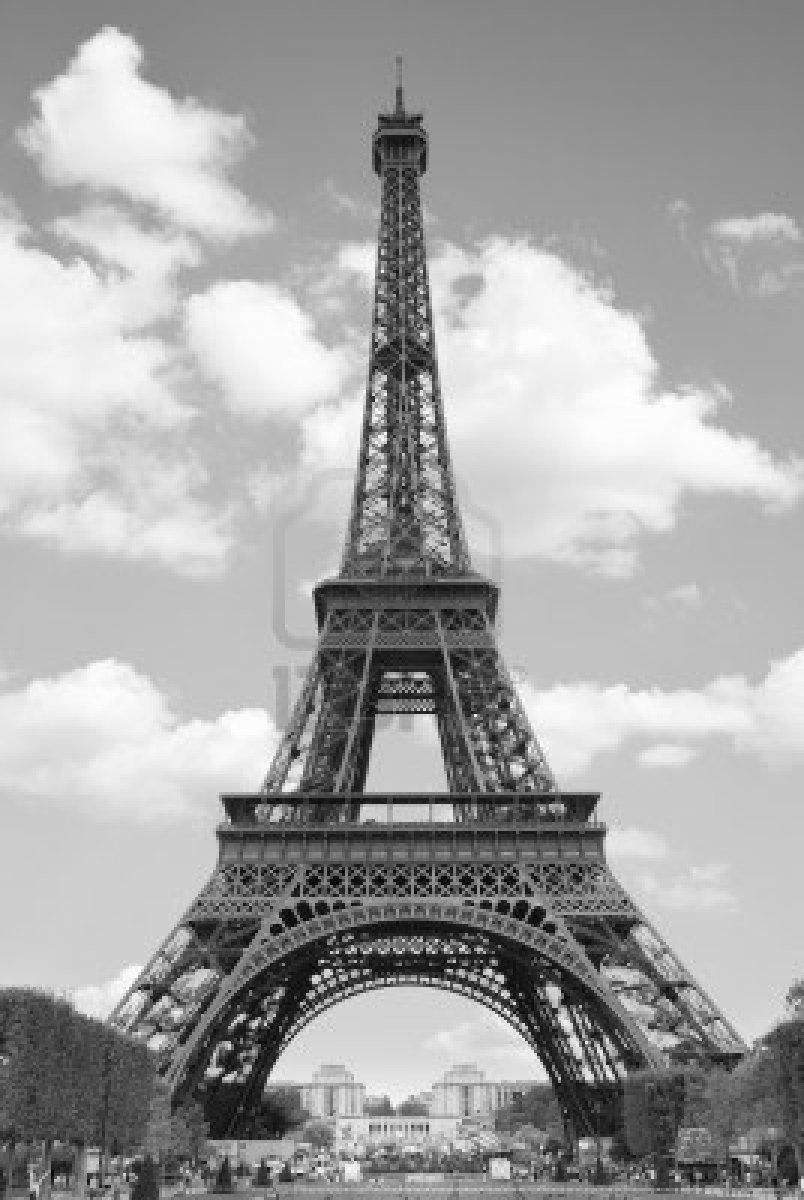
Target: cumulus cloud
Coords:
[(757, 255), (578, 722), (357, 207), (256, 343), (633, 843), (105, 739), (561, 430), (94, 446), (561, 425), (139, 264), (98, 999), (667, 754), (487, 1037), (103, 127), (688, 595), (763, 227), (691, 889), (661, 877), (151, 514)]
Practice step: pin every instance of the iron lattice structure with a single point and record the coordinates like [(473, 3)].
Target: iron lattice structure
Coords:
[(497, 890)]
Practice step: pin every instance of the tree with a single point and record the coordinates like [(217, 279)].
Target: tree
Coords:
[(653, 1110), (277, 1113), (146, 1186), (161, 1131), (786, 1043), (195, 1131), (412, 1108), (280, 1111), (538, 1106), (223, 1180), (795, 999), (320, 1133), (68, 1077), (724, 1115), (378, 1106)]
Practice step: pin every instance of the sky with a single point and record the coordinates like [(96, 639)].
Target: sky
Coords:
[(615, 232)]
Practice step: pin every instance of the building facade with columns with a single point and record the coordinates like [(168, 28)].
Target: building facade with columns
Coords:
[(462, 1098), (333, 1092), (464, 1091)]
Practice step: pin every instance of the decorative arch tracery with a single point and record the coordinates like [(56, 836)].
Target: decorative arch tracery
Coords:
[(531, 974)]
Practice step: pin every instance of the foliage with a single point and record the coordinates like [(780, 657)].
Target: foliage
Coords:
[(195, 1129), (223, 1180), (147, 1183), (537, 1107), (160, 1133), (172, 1135), (278, 1112), (723, 1110), (320, 1133), (795, 999), (68, 1077), (786, 1045), (653, 1111), (787, 1169), (412, 1108), (378, 1106)]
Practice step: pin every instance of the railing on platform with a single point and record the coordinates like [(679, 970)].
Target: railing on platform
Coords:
[(487, 809)]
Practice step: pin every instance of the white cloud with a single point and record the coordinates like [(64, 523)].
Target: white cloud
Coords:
[(139, 264), (763, 227), (758, 255), (776, 706), (667, 754), (561, 431), (487, 1038), (679, 213), (102, 126), (578, 722), (357, 207), (105, 740), (693, 889), (95, 450), (660, 878), (559, 423), (255, 342), (358, 259), (69, 341), (331, 436), (640, 844), (152, 515), (688, 595), (98, 999)]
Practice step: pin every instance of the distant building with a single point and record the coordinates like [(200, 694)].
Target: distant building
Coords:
[(462, 1103), (465, 1092), (332, 1092)]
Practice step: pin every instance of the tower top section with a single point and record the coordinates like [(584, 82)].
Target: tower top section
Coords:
[(400, 139), (405, 519)]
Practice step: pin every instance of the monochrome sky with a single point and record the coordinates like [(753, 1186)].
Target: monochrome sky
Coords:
[(615, 228)]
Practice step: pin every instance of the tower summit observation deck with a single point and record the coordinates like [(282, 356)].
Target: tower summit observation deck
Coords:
[(499, 889)]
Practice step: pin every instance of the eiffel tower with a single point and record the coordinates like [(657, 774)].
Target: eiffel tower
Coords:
[(498, 889)]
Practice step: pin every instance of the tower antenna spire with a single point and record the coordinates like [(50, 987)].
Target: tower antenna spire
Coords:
[(400, 95)]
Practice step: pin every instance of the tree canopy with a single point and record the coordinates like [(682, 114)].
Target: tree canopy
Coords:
[(67, 1076), (537, 1107)]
